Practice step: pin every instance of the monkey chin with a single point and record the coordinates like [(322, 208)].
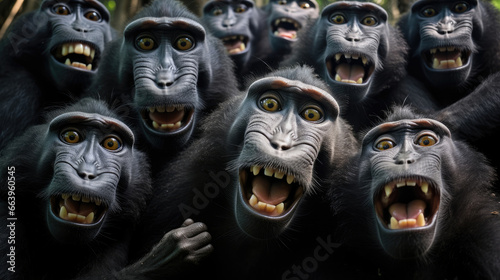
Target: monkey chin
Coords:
[(406, 210), (266, 201)]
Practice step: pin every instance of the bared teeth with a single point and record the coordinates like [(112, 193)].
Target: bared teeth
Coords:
[(388, 190), (255, 169), (63, 213), (268, 172), (424, 187), (160, 109), (274, 210), (77, 48), (421, 220), (445, 64), (418, 220), (75, 217), (279, 174), (394, 223), (411, 183)]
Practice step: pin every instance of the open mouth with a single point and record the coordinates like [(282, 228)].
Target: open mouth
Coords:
[(167, 118), (77, 55), (349, 68), (446, 57), (407, 203), (285, 28), (269, 191), (235, 44), (78, 209)]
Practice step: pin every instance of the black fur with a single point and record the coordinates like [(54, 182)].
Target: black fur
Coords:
[(39, 255), (203, 183), (212, 82), (30, 79), (466, 241)]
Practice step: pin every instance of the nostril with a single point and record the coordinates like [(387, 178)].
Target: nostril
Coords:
[(86, 175), (280, 146), (164, 84)]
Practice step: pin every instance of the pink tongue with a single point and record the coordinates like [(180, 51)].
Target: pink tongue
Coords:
[(402, 211), (285, 33), (167, 118), (270, 191), (350, 72)]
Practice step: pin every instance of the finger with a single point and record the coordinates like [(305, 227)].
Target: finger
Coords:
[(200, 254), (187, 222), (194, 229)]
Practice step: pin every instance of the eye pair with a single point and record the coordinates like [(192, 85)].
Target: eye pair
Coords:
[(64, 11), (241, 8), (341, 19), (71, 136), (424, 141), (148, 43), (304, 5), (311, 113), (459, 8)]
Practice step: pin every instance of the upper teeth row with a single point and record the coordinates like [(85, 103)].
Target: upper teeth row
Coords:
[(270, 172), (164, 108), (78, 48), (85, 199), (278, 21), (351, 56), (235, 37), (424, 186), (450, 49)]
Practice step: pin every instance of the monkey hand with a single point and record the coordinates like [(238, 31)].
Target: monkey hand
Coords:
[(177, 251)]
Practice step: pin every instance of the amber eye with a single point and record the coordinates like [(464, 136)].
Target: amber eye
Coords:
[(338, 19), (184, 43), (216, 11), (429, 12), (304, 5), (312, 114), (369, 21), (282, 2), (426, 140), (145, 43), (112, 143), (385, 145), (270, 104), (461, 8), (61, 10), (240, 9), (71, 136), (93, 16)]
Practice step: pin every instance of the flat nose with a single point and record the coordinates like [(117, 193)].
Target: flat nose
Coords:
[(165, 78), (282, 141)]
